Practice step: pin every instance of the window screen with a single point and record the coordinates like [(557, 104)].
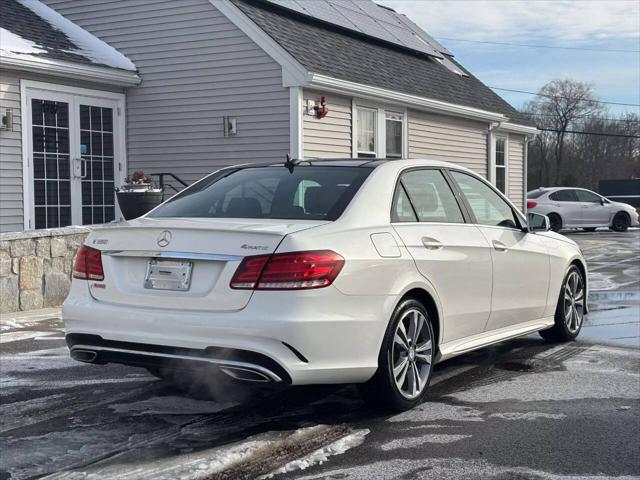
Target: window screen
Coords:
[(366, 134), (501, 165)]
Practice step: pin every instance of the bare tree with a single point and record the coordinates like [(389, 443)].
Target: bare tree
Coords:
[(560, 104)]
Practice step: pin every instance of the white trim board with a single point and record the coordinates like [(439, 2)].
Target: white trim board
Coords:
[(296, 122), (59, 68), (383, 95), (67, 94)]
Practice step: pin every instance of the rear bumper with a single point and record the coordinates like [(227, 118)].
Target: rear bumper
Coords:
[(305, 337), (238, 364)]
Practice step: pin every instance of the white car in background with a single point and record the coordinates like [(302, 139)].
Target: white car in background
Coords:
[(320, 272), (580, 208)]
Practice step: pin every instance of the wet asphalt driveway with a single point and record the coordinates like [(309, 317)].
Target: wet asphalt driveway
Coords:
[(519, 410)]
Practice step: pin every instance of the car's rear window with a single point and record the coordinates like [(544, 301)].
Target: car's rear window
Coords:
[(306, 193), (536, 193)]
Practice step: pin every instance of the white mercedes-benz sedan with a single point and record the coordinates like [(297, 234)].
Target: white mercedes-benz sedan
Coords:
[(315, 272)]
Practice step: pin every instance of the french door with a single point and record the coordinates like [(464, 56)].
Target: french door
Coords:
[(75, 157)]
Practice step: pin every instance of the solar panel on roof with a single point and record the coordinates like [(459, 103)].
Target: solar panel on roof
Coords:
[(365, 17)]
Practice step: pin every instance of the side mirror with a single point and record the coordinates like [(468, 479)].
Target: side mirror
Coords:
[(537, 222), (602, 202)]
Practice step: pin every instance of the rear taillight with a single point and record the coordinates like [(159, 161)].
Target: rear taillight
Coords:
[(88, 264), (531, 204), (288, 271)]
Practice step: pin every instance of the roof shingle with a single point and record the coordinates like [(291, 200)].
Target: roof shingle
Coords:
[(331, 50)]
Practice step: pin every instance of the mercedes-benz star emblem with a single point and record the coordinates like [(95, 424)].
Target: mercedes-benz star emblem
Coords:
[(164, 239)]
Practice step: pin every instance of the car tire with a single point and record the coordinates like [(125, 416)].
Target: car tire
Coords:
[(621, 222), (569, 314), (555, 222), (411, 358), (590, 229)]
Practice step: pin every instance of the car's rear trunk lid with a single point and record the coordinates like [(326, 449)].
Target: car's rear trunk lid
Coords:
[(183, 264)]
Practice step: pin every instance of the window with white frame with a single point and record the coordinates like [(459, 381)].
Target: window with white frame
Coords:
[(366, 134), (500, 164), (378, 132), (393, 127)]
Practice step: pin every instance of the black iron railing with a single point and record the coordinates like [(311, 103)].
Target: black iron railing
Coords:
[(162, 184)]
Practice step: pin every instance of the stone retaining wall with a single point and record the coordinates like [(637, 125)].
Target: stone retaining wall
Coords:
[(36, 266)]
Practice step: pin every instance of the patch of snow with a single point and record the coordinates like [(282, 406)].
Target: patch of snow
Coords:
[(170, 405), (49, 359), (88, 46), (411, 442), (322, 454), (12, 43), (527, 415), (437, 411), (7, 337)]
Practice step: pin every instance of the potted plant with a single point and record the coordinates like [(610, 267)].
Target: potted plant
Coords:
[(138, 195)]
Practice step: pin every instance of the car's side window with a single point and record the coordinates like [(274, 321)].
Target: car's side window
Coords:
[(564, 196), (585, 196), (487, 206), (402, 209), (430, 197)]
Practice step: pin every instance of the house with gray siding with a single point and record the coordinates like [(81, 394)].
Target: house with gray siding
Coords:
[(91, 91)]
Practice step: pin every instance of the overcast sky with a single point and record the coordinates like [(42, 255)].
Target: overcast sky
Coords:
[(588, 24)]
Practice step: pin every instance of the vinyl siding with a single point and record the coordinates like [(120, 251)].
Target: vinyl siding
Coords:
[(331, 136), (439, 137), (11, 212), (516, 173), (196, 68)]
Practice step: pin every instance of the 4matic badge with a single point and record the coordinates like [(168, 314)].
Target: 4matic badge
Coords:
[(254, 247)]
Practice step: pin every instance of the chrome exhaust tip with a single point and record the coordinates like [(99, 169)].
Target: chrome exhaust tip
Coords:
[(86, 356), (245, 374)]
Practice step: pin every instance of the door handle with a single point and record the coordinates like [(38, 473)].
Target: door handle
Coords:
[(501, 247), (80, 167), (431, 243), (84, 168)]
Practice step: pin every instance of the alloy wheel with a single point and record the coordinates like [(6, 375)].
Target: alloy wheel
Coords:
[(574, 301), (412, 354)]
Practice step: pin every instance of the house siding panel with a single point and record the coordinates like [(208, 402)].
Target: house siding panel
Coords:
[(11, 213), (197, 67), (331, 136), (516, 173), (451, 139)]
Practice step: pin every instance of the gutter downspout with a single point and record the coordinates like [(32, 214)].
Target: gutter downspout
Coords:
[(490, 166), (525, 167)]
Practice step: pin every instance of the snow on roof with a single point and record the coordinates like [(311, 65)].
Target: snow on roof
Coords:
[(15, 44), (31, 29)]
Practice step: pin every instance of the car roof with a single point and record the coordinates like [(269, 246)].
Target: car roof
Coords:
[(366, 162), (555, 189)]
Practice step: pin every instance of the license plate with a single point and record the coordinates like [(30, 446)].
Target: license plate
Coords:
[(168, 274)]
